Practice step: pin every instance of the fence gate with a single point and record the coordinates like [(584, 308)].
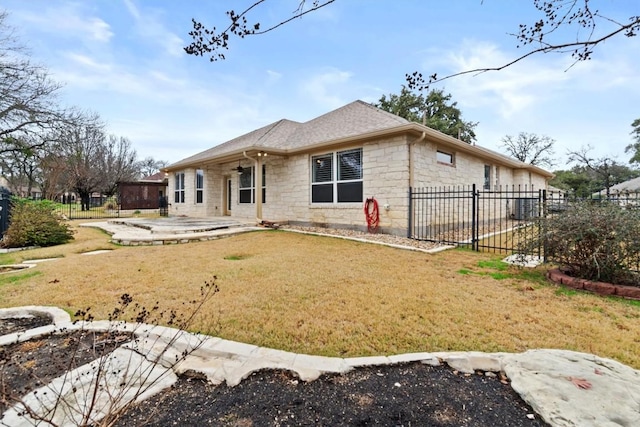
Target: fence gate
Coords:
[(483, 220)]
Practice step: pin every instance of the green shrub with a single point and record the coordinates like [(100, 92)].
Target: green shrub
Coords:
[(34, 223), (594, 240)]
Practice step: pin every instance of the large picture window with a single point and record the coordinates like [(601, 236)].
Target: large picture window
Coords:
[(179, 188), (341, 183), (199, 186), (247, 183)]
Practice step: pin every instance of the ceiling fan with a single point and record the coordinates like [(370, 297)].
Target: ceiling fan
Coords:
[(239, 169)]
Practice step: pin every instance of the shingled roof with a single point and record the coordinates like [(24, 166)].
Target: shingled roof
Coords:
[(353, 119), (348, 123)]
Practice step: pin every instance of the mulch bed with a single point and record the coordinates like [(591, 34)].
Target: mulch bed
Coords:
[(400, 395), (29, 365), (21, 324)]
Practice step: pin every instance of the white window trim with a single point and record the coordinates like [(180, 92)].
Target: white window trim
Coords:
[(334, 178), (199, 172), (179, 187), (446, 153), (253, 185)]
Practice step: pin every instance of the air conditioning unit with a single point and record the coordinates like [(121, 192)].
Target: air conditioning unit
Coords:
[(525, 208)]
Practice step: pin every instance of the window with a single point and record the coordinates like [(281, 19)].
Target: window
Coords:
[(342, 183), (179, 188), (446, 158), (199, 185), (487, 177), (247, 183)]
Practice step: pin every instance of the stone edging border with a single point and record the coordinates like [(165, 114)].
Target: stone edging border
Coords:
[(544, 378), (600, 288)]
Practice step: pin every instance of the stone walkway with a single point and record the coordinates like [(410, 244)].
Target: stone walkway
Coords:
[(170, 230), (565, 388)]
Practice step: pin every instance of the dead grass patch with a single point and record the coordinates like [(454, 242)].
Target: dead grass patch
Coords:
[(326, 296)]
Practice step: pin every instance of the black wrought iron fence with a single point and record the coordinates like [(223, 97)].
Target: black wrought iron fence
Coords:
[(496, 221), (481, 219)]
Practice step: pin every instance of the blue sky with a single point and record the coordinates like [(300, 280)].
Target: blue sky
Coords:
[(124, 60)]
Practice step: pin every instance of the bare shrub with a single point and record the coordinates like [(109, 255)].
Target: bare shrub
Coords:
[(594, 240), (136, 363)]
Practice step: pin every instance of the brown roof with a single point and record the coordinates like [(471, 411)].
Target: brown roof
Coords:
[(156, 177), (357, 120), (353, 119)]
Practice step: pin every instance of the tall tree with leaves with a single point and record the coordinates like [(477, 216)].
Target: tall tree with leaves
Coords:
[(435, 109), (537, 150)]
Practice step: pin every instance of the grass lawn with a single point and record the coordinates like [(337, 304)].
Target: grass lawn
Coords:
[(333, 297)]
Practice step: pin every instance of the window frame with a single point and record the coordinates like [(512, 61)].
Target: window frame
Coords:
[(252, 187), (487, 177), (332, 186), (179, 187), (450, 159), (199, 186)]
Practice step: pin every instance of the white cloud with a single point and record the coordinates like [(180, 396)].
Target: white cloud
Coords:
[(76, 22), (326, 87), (509, 91), (150, 27)]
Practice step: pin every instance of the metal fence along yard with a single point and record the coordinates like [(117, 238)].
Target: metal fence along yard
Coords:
[(481, 219)]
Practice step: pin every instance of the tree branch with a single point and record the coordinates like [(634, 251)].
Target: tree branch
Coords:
[(416, 80)]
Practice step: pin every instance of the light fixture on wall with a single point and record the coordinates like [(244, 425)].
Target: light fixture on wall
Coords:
[(262, 154)]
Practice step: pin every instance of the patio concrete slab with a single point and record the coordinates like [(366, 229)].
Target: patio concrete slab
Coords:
[(170, 230)]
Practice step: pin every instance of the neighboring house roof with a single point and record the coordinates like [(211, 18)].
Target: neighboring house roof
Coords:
[(630, 185), (156, 177), (353, 122)]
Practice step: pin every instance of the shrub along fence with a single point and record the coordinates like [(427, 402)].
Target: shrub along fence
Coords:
[(496, 221)]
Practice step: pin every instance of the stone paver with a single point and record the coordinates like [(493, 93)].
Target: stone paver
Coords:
[(565, 388)]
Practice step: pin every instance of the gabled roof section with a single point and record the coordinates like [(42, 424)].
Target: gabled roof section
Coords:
[(267, 137), (356, 118), (353, 119), (156, 177)]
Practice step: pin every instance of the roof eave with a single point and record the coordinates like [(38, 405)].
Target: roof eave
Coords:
[(414, 128)]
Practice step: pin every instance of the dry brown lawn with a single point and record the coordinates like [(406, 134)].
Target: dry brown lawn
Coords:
[(327, 296)]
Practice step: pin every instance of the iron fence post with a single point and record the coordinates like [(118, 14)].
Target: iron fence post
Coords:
[(410, 219), (474, 219), (543, 227)]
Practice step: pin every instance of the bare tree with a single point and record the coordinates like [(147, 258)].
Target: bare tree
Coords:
[(149, 166), (81, 146), (530, 148), (117, 162), (607, 171), (546, 34), (28, 101)]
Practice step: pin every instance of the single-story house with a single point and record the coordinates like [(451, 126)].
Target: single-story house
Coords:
[(322, 171)]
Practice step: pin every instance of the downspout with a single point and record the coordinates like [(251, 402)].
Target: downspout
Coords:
[(411, 181), (258, 186), (411, 165)]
